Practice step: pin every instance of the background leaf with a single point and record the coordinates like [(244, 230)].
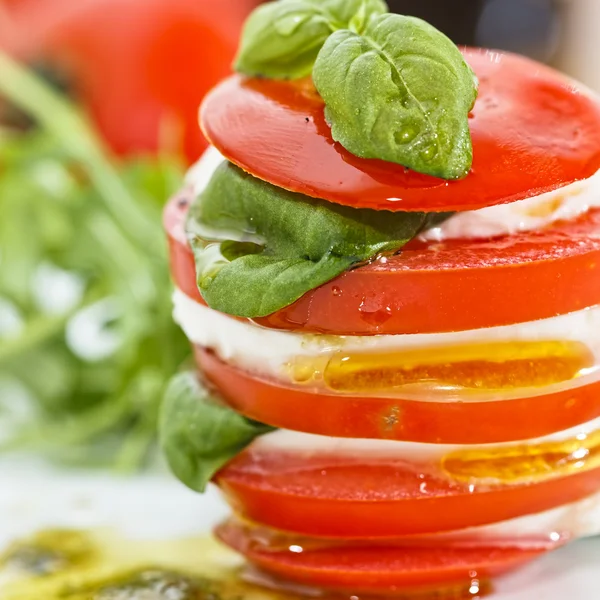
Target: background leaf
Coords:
[(87, 341)]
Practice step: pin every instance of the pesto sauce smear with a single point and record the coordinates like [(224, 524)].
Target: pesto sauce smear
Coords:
[(100, 565), (395, 88)]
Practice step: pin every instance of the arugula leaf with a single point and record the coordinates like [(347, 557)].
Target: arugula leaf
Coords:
[(279, 244), (400, 92), (198, 434), (281, 39)]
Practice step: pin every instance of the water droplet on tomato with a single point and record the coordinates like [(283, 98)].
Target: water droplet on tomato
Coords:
[(336, 291), (373, 313)]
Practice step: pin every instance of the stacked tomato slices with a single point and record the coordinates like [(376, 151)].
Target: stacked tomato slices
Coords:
[(437, 410)]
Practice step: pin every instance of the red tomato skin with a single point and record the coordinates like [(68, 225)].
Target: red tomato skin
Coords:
[(437, 287), (141, 67), (533, 130), (335, 415), (370, 501), (380, 569)]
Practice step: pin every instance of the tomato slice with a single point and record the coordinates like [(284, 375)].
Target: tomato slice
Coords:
[(380, 568), (337, 415), (435, 287), (532, 132), (335, 497)]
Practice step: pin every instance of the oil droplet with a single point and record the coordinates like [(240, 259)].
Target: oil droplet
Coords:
[(288, 25), (406, 134)]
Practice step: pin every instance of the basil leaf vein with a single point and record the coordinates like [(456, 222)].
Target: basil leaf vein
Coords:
[(277, 245), (281, 39), (198, 434), (400, 92)]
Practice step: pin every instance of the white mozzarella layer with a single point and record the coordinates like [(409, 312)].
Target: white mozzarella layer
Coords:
[(309, 445), (551, 527), (270, 351), (565, 203), (578, 519)]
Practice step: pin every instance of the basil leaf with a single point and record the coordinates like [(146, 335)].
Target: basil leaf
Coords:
[(279, 244), (400, 92), (198, 434), (281, 39)]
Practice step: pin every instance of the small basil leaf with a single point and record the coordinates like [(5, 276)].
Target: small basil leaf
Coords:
[(278, 245), (358, 20), (400, 92), (354, 14), (198, 434), (281, 39)]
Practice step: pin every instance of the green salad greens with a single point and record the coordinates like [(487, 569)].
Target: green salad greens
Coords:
[(395, 88), (277, 245), (87, 341)]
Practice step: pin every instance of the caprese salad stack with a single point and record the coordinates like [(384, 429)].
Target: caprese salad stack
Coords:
[(389, 266)]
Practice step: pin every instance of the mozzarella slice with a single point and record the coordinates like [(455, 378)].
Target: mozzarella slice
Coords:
[(565, 203), (270, 352)]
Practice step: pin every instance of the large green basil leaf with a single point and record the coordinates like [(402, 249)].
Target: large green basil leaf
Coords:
[(198, 434), (400, 92), (278, 245), (281, 39)]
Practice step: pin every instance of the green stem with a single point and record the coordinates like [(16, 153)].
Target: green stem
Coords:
[(36, 333), (71, 432)]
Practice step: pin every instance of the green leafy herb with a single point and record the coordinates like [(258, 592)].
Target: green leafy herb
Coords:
[(278, 245), (281, 39), (400, 92), (198, 434), (395, 88), (87, 342)]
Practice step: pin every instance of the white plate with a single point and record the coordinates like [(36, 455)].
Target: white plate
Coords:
[(35, 496)]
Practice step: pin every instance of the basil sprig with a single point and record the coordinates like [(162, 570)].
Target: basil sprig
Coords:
[(281, 39), (198, 434), (395, 88), (277, 245), (400, 92)]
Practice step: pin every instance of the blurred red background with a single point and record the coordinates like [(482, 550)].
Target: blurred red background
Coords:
[(139, 66)]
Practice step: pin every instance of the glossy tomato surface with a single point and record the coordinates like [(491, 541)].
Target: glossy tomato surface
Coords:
[(338, 415), (379, 568), (436, 287), (141, 67), (330, 496), (533, 130)]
